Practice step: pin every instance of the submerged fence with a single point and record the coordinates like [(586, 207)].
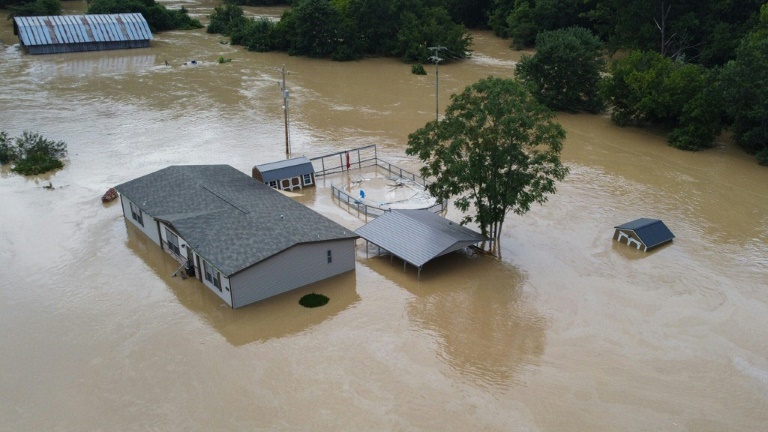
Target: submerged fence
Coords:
[(359, 158)]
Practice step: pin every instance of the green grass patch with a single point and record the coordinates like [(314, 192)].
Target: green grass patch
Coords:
[(313, 300)]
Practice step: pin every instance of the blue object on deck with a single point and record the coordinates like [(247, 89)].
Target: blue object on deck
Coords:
[(362, 194)]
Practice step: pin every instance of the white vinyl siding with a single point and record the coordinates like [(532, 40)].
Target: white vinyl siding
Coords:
[(148, 225), (293, 268)]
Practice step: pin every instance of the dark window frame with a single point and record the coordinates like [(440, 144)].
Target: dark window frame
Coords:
[(172, 245), (136, 213)]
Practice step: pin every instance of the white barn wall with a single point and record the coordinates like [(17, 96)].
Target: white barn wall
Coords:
[(293, 268), (150, 224)]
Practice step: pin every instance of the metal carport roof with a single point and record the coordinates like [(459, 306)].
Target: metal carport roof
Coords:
[(417, 236)]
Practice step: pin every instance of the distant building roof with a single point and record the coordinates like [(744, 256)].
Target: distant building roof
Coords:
[(652, 232), (288, 168), (106, 29), (418, 236), (228, 217)]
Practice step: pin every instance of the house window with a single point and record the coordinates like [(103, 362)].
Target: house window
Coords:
[(212, 275), (273, 184), (307, 179), (173, 242), (136, 214), (330, 257)]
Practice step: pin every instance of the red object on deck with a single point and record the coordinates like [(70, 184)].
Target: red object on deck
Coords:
[(347, 160)]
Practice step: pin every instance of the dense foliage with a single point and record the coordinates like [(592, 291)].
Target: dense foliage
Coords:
[(31, 153), (158, 16), (33, 7), (497, 149), (565, 71), (744, 89), (349, 29), (706, 31)]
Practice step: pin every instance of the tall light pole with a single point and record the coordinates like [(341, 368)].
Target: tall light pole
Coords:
[(285, 114), (436, 58)]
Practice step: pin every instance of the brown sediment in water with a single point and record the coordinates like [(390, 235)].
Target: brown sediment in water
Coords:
[(570, 331)]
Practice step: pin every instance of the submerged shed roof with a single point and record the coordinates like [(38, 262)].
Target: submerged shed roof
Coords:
[(229, 218), (418, 236), (288, 168), (652, 232), (72, 29)]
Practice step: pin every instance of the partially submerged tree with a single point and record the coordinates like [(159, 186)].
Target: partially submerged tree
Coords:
[(31, 153), (565, 71), (497, 149)]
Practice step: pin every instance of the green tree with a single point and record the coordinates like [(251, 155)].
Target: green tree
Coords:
[(497, 149), (744, 84), (158, 16), (31, 153), (225, 18), (564, 74), (646, 87), (8, 151), (312, 28), (36, 8)]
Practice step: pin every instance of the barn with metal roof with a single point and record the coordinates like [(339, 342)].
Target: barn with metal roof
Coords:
[(286, 174), (72, 33), (242, 239), (417, 236), (645, 233)]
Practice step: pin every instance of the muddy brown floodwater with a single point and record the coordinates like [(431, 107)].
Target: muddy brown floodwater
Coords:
[(568, 332)]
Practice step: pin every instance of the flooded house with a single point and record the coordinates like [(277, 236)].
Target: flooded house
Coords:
[(239, 237), (73, 33), (644, 233), (286, 174)]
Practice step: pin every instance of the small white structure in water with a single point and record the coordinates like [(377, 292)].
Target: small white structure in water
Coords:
[(644, 233)]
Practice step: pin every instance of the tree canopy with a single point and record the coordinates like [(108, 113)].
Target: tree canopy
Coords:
[(157, 15), (351, 29), (744, 89), (565, 71), (497, 149), (31, 153)]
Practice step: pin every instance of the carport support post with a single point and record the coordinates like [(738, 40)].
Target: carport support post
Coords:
[(418, 275), (404, 264)]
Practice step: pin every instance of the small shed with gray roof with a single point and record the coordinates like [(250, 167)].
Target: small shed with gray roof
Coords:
[(417, 236), (287, 174), (72, 33), (645, 233), (242, 239)]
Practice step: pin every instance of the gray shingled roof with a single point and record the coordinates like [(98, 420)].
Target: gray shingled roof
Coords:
[(229, 218), (417, 236), (283, 169), (652, 232)]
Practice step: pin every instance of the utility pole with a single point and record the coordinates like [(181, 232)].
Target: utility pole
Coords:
[(436, 58), (285, 113)]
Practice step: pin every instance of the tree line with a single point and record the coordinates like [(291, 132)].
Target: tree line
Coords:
[(348, 29), (693, 102), (159, 18)]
